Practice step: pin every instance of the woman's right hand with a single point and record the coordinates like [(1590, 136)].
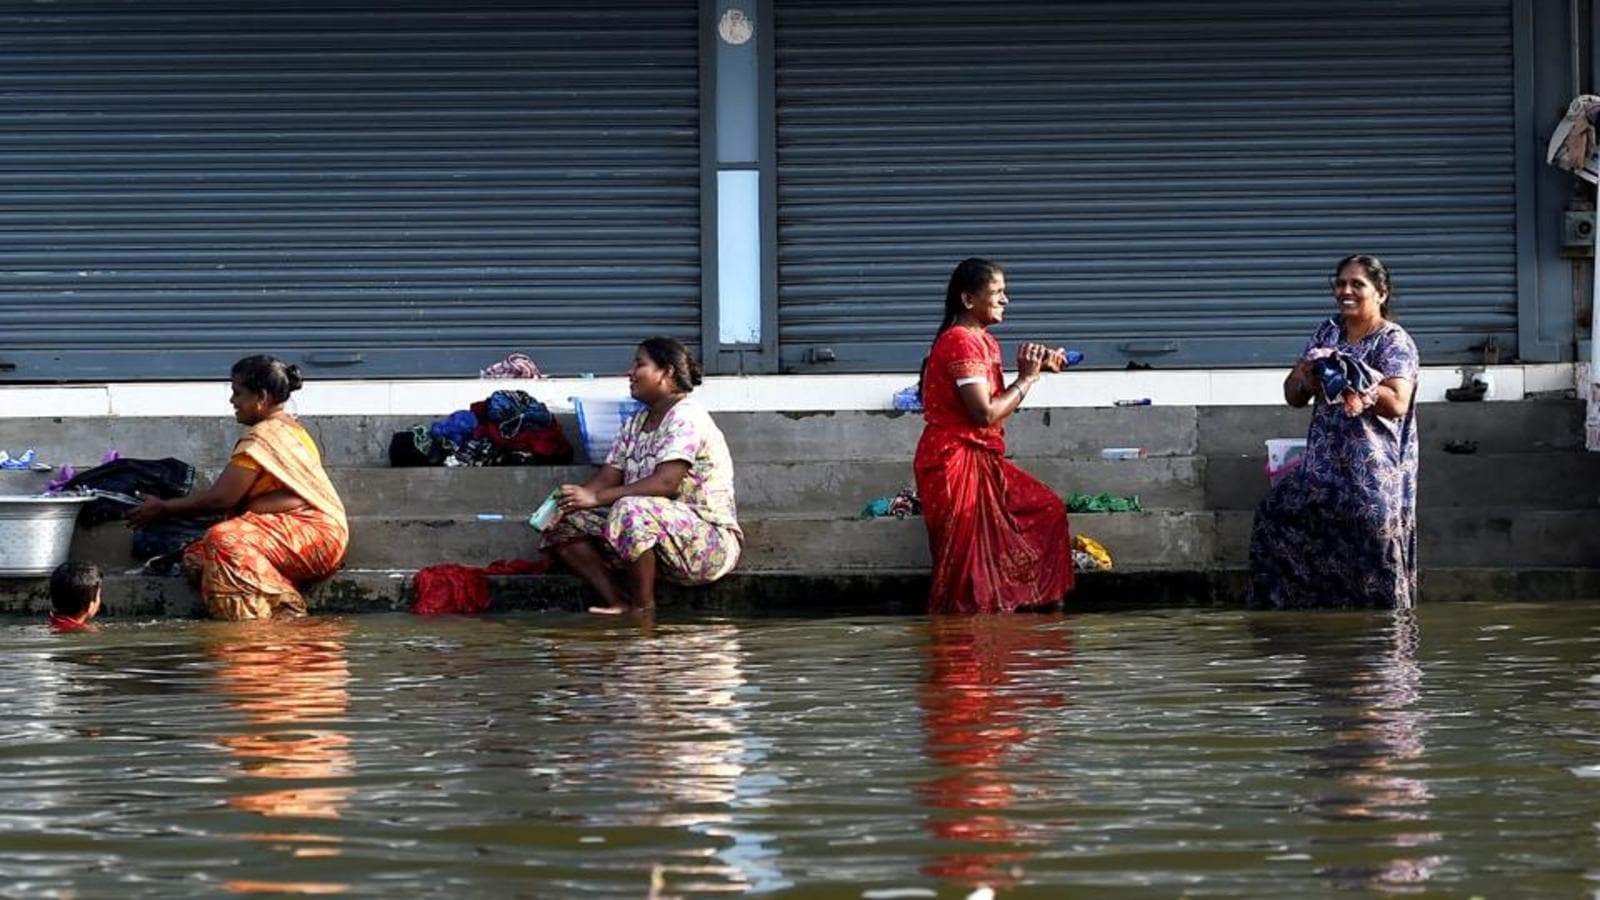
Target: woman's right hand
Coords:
[(1307, 373), (574, 497), (1030, 359), (147, 513)]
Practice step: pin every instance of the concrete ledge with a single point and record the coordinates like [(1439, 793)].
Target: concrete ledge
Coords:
[(804, 594)]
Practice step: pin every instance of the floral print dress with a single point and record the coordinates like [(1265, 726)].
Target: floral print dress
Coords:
[(695, 535), (1340, 528)]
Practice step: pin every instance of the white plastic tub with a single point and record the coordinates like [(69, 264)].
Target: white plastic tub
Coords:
[(36, 533), (1283, 454), (599, 420)]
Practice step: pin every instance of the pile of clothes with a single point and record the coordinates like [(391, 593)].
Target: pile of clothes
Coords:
[(509, 428), (902, 506), (1089, 555), (117, 485)]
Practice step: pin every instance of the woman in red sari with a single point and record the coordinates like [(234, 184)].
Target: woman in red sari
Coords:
[(998, 535)]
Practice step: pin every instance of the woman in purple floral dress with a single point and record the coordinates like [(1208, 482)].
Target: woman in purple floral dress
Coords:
[(1340, 528), (664, 498)]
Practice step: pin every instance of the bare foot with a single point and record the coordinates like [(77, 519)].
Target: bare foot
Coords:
[(609, 610)]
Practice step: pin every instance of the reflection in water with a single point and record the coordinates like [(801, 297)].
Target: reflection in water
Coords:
[(671, 724), (291, 681), (984, 675), (1377, 743)]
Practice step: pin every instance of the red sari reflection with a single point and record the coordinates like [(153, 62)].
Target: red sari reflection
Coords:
[(291, 680), (985, 676)]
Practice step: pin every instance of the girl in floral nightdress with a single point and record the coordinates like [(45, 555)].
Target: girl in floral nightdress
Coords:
[(663, 501), (1340, 528)]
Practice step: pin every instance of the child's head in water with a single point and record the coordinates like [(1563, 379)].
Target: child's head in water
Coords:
[(74, 594)]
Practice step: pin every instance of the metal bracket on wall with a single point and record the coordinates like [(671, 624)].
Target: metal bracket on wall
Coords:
[(1138, 348), (335, 358), (1577, 232)]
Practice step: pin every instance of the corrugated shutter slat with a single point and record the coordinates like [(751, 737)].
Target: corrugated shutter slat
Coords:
[(1153, 174), (428, 185)]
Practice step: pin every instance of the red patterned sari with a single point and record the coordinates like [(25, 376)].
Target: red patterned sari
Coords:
[(998, 535)]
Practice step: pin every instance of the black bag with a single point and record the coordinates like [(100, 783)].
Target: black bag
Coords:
[(160, 546), (163, 478), (405, 452)]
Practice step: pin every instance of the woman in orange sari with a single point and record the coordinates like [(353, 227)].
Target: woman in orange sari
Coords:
[(286, 526), (998, 535)]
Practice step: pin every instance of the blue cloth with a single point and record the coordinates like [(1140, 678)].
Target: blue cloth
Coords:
[(520, 408), (1339, 372), (455, 428), (908, 399), (1339, 529)]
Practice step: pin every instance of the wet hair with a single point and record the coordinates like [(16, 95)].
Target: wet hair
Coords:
[(971, 275), (1377, 273), (670, 353), (267, 375), (73, 586)]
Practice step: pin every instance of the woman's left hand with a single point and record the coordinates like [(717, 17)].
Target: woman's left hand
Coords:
[(147, 513), (575, 497)]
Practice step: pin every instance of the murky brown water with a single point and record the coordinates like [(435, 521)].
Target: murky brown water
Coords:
[(1150, 754)]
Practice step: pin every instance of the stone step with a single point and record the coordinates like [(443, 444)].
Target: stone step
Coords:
[(131, 597), (1465, 536), (1514, 427), (777, 437), (1567, 479), (1550, 479), (1145, 540), (1152, 539), (824, 487)]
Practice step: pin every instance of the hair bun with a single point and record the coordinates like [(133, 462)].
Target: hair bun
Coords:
[(292, 373)]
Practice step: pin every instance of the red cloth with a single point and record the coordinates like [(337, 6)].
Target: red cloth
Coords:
[(548, 444), (998, 535), (448, 588), (58, 622)]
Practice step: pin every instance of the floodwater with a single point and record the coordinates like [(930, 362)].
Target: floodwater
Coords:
[(1205, 753)]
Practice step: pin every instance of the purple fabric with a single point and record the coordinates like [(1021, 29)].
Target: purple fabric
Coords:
[(1340, 528)]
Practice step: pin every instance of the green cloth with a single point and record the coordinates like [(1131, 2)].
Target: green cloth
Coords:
[(1081, 502)]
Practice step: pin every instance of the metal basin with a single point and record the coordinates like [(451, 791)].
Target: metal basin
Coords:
[(36, 533)]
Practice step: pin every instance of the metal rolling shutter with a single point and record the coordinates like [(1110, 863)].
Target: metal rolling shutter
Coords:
[(1168, 182), (374, 188)]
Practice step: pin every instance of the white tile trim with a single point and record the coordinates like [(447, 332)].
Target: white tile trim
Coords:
[(799, 393)]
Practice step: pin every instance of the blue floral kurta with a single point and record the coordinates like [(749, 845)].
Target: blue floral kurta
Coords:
[(1340, 528)]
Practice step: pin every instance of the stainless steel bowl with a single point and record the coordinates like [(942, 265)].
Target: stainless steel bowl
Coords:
[(36, 533)]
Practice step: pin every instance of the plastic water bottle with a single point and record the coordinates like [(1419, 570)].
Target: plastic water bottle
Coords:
[(548, 511), (1112, 453)]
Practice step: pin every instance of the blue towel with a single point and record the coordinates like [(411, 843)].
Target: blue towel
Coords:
[(1340, 372)]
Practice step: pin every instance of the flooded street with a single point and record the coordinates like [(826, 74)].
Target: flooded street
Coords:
[(1137, 754)]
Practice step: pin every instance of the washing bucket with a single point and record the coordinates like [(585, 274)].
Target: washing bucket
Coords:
[(599, 420), (36, 532), (1284, 454)]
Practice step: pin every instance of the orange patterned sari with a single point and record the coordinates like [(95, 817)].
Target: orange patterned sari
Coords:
[(252, 566)]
